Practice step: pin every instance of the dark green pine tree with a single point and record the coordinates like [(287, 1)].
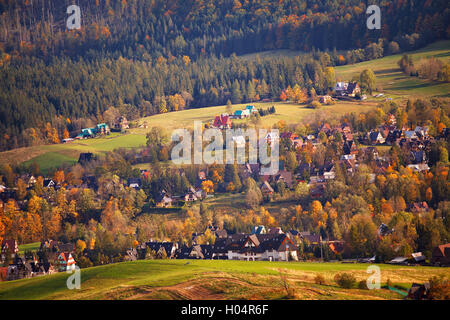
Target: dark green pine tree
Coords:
[(236, 95)]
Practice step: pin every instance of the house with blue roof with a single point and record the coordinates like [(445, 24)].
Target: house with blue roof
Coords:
[(240, 114), (259, 230), (251, 109)]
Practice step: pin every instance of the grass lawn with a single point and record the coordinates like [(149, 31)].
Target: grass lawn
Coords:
[(29, 247), (54, 156), (217, 279)]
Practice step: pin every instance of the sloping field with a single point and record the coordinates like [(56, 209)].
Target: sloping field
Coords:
[(54, 156), (394, 82), (214, 279)]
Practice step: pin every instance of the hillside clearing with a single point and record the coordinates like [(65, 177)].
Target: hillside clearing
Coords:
[(394, 82), (212, 279)]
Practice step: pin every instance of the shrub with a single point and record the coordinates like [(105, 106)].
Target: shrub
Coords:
[(315, 105), (345, 280), (389, 283), (362, 285), (439, 289), (319, 279), (290, 292)]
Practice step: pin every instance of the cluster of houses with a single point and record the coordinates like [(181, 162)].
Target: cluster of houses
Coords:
[(261, 244), (417, 142), (120, 124), (224, 120), (99, 129), (58, 258)]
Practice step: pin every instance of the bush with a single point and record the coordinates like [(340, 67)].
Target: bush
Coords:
[(315, 105), (439, 289), (362, 285), (345, 280), (389, 283), (319, 279)]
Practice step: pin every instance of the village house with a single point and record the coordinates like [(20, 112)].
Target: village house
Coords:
[(375, 137), (350, 148), (121, 123), (441, 255), (418, 207), (259, 230), (269, 247), (391, 119), (326, 128), (49, 183), (19, 269), (419, 167), (167, 249), (410, 135), (417, 157), (272, 137), (222, 122), (9, 247), (134, 183), (163, 200), (340, 88), (283, 176), (241, 114), (190, 197), (370, 153), (251, 109), (194, 252), (99, 129), (347, 89), (65, 262), (394, 137), (353, 89), (422, 132), (328, 171)]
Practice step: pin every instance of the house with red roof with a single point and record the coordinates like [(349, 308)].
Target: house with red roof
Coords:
[(222, 122)]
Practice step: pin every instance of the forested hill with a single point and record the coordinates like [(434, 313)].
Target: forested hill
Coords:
[(154, 56), (142, 28)]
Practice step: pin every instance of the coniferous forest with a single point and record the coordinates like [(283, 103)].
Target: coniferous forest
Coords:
[(139, 53)]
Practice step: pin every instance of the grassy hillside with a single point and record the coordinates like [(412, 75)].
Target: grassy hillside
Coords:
[(394, 82), (53, 156), (203, 279)]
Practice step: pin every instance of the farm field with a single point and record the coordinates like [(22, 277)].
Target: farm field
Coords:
[(215, 279)]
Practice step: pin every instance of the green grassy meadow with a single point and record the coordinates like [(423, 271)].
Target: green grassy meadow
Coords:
[(213, 279), (29, 247)]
